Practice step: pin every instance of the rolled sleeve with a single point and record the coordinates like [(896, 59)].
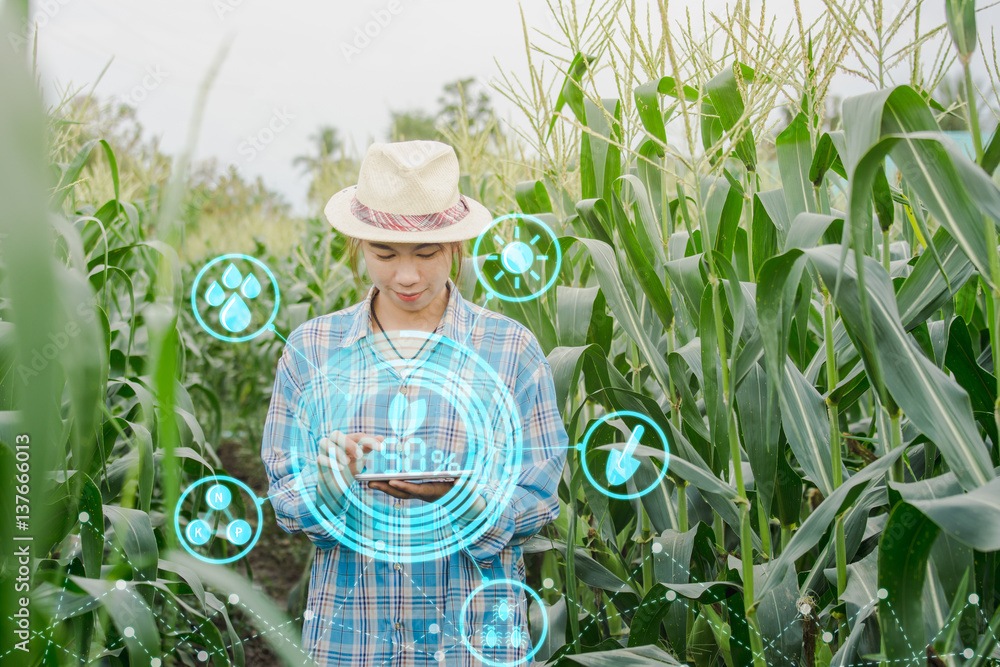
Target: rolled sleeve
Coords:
[(535, 500), (289, 450)]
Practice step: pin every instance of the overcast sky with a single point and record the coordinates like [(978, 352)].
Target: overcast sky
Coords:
[(296, 65)]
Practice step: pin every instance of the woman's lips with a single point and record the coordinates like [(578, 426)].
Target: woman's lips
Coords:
[(409, 297)]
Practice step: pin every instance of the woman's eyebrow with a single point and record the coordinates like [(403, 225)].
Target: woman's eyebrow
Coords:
[(382, 246)]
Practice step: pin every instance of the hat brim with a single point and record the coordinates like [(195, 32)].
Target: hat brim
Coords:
[(338, 213)]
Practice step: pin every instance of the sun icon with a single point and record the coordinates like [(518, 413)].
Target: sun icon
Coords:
[(517, 257), (519, 260)]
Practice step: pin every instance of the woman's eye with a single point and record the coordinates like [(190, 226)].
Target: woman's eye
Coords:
[(384, 257), (428, 256)]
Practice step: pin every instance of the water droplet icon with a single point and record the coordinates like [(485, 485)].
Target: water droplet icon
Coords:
[(232, 277), (235, 315), (215, 295), (251, 287)]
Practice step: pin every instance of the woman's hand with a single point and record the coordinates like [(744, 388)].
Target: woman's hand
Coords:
[(427, 491), (347, 453), (431, 492)]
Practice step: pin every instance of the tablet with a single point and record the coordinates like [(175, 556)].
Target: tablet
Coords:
[(418, 476)]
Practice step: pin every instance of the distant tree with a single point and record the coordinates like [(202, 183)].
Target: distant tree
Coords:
[(328, 166), (326, 142), (465, 100), (412, 124)]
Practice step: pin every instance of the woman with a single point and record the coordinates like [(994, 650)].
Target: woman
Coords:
[(414, 378)]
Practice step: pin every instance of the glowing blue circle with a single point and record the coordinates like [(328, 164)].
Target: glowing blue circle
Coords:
[(238, 532), (209, 480), (504, 582), (553, 247), (194, 298), (218, 497), (616, 415), (198, 532), (489, 426), (517, 257)]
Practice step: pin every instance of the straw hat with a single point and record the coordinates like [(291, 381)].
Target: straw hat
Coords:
[(407, 192)]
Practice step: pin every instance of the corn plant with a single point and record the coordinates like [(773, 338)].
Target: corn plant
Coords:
[(814, 333), (93, 361)]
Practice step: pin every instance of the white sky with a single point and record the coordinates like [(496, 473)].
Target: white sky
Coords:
[(286, 59)]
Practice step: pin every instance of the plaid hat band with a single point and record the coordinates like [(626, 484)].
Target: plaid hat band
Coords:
[(399, 222)]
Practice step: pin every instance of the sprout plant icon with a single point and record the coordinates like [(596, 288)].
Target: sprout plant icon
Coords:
[(404, 452), (405, 417)]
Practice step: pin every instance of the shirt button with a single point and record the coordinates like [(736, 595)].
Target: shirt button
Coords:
[(402, 390), (398, 568), (399, 626), (398, 505)]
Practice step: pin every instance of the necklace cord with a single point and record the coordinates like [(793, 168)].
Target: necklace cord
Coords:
[(388, 340)]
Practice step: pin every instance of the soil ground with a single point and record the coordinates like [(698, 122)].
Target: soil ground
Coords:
[(278, 559)]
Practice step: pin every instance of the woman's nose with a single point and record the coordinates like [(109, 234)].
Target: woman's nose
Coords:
[(406, 273)]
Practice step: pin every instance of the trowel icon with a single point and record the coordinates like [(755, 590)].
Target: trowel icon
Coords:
[(621, 464)]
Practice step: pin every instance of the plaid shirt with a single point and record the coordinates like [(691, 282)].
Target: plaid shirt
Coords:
[(368, 611)]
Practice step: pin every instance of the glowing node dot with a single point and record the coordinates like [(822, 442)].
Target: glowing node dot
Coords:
[(657, 547), (828, 637), (434, 628), (155, 662), (548, 583), (120, 584), (882, 594), (239, 532), (671, 596), (203, 656), (379, 545), (973, 599), (84, 517), (218, 497), (439, 656), (805, 609), (968, 653), (517, 257), (234, 598), (308, 614), (129, 632)]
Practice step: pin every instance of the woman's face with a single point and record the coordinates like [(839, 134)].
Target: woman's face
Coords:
[(410, 275)]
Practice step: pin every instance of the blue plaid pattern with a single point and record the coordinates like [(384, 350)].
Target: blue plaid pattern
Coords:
[(365, 611)]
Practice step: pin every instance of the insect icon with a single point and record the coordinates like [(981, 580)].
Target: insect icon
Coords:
[(502, 610)]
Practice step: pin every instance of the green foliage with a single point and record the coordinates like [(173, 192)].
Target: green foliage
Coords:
[(813, 327), (809, 366)]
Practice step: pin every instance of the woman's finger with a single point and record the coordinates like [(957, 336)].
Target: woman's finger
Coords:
[(396, 493), (368, 443)]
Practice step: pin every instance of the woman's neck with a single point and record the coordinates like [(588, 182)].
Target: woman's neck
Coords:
[(396, 319)]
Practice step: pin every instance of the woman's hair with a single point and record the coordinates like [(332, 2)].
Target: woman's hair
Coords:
[(354, 248)]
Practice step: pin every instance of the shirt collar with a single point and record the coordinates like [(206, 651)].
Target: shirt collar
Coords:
[(454, 323)]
